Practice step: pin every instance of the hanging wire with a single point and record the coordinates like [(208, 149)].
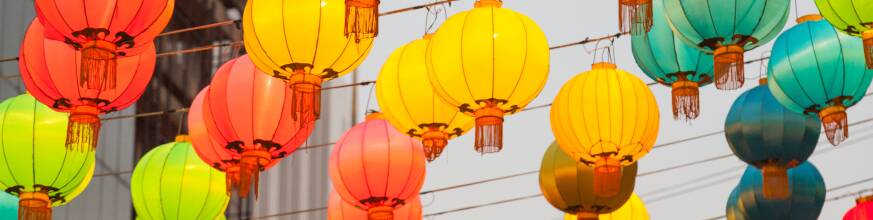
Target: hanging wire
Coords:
[(435, 11)]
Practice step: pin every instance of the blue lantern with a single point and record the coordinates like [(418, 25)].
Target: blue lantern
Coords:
[(808, 194)]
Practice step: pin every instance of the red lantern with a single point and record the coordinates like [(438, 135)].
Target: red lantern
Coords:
[(248, 113), (45, 67), (862, 211), (337, 209), (208, 149), (377, 168), (103, 31)]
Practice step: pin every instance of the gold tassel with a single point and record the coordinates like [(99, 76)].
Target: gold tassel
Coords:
[(635, 16), (729, 71), (686, 99), (34, 206), (232, 178), (380, 213), (607, 177), (362, 19), (98, 66), (775, 181), (585, 215), (868, 47), (83, 128), (835, 122), (434, 141), (306, 100), (250, 166), (489, 128)]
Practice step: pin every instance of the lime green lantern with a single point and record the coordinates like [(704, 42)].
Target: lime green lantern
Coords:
[(36, 166), (852, 17), (171, 182)]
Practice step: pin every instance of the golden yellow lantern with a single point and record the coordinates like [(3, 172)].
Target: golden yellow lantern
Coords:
[(302, 42), (633, 209), (488, 62), (605, 118), (410, 104)]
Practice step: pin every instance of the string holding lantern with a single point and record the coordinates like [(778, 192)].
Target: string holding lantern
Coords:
[(730, 28), (635, 16), (488, 62), (570, 186), (250, 116), (208, 149), (187, 188), (362, 19), (633, 209), (337, 209), (668, 60), (103, 32), (410, 104), (38, 169), (851, 18), (45, 67), (605, 118), (303, 51), (807, 197), (377, 168), (815, 69), (863, 209)]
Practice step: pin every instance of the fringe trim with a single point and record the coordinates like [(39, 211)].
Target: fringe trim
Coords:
[(489, 134), (434, 142), (686, 102), (34, 213), (232, 179), (607, 180), (248, 176), (98, 69), (729, 70), (775, 184), (306, 97), (836, 127), (82, 132), (635, 16), (868, 50), (362, 20)]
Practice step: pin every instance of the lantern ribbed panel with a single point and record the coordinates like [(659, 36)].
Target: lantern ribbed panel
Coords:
[(568, 184), (171, 182), (863, 210), (605, 111), (337, 209), (209, 150), (848, 16), (32, 146), (373, 165), (409, 102), (807, 197), (633, 209)]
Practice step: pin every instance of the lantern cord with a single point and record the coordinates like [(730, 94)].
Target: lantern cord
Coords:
[(288, 213), (9, 59), (851, 194)]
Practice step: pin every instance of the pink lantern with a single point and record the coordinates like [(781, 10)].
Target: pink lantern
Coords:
[(337, 209)]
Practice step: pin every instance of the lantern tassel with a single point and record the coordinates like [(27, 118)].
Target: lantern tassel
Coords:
[(99, 64), (34, 206), (635, 16), (489, 129), (835, 122), (686, 100), (380, 213), (83, 128), (232, 178), (585, 215), (607, 177), (775, 178), (729, 71), (362, 19), (434, 142), (250, 167), (306, 98), (868, 47)]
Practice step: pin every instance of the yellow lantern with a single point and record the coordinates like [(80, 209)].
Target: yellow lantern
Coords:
[(488, 62), (302, 42), (605, 118), (633, 209), (410, 104)]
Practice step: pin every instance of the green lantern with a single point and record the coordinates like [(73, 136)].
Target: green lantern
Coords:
[(36, 166), (171, 182), (854, 17)]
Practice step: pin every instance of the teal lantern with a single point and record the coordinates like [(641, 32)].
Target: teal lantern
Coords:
[(8, 206), (727, 28), (768, 136), (671, 62), (816, 69), (746, 202)]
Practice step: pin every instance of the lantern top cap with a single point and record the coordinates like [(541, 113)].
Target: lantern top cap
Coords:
[(864, 199), (183, 138), (809, 17), (603, 65), (488, 3), (427, 36), (375, 115), (762, 81)]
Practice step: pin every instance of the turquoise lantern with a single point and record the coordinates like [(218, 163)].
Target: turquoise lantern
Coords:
[(8, 206), (816, 69), (768, 136), (671, 62), (727, 28), (746, 202)]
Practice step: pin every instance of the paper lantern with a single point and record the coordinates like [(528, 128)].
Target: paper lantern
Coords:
[(103, 32), (768, 136), (573, 192), (377, 168), (302, 42), (249, 115), (807, 196), (8, 206), (38, 169), (727, 28), (208, 149), (633, 209), (863, 209), (671, 62), (410, 104), (605, 118), (814, 69), (337, 209), (851, 17), (362, 19), (171, 182), (46, 67), (489, 62), (635, 16)]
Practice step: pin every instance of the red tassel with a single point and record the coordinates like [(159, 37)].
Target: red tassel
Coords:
[(868, 47), (34, 206), (362, 19), (729, 71), (835, 122), (306, 100), (380, 213), (98, 66), (434, 142), (635, 16), (250, 167), (775, 181), (83, 128), (607, 177), (232, 178), (686, 99), (489, 128)]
